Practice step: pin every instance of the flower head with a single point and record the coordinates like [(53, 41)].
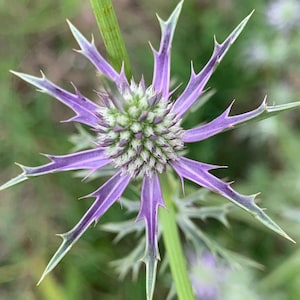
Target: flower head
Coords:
[(142, 135), (284, 15), (139, 132), (206, 274), (213, 278)]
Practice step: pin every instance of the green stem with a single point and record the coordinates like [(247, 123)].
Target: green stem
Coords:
[(176, 258), (111, 34)]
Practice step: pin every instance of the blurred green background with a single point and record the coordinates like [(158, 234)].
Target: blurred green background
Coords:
[(261, 157)]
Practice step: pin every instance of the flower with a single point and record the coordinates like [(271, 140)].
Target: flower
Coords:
[(207, 275), (284, 15), (139, 133), (213, 278)]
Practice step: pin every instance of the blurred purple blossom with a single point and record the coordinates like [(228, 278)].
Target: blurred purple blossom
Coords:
[(284, 15)]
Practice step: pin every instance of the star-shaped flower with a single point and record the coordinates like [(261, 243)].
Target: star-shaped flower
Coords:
[(139, 132)]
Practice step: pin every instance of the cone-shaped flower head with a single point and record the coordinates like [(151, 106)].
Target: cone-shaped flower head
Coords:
[(143, 135), (139, 133)]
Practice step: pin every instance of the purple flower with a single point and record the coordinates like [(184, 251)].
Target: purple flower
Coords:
[(284, 15), (139, 132), (207, 275)]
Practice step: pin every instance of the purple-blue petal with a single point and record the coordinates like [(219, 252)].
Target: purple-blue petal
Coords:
[(85, 109), (151, 199), (89, 159), (197, 82), (161, 73), (199, 173), (221, 123), (89, 50), (106, 196)]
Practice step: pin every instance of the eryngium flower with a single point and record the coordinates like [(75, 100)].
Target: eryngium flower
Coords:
[(139, 133)]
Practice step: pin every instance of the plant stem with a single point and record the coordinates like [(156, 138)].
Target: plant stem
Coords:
[(177, 262), (111, 34)]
